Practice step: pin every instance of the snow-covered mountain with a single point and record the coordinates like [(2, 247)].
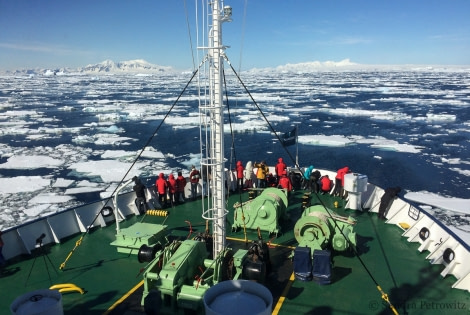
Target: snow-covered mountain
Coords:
[(348, 65), (134, 66), (140, 66), (137, 66)]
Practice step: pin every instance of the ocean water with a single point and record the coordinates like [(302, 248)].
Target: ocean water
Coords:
[(70, 139)]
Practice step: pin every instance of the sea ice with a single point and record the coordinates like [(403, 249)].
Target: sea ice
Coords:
[(32, 162)]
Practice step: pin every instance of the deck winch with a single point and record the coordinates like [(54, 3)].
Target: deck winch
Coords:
[(321, 228), (130, 239), (181, 272), (263, 212)]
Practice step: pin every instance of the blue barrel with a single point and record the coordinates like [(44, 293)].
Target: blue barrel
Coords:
[(238, 297)]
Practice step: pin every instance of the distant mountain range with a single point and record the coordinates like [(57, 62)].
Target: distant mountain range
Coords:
[(140, 66), (137, 66)]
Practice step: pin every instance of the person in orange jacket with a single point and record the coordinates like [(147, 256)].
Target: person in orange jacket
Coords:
[(261, 174), (194, 179)]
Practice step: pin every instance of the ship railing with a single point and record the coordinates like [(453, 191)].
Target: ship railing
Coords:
[(443, 245), (23, 239)]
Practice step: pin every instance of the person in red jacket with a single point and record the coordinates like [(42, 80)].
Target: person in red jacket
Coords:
[(325, 184), (180, 185), (285, 183), (172, 189), (162, 185), (339, 181), (239, 169), (280, 168)]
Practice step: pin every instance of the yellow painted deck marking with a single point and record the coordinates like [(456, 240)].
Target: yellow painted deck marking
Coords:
[(125, 296), (278, 306)]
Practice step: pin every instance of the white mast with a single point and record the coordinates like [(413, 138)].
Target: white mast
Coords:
[(213, 111)]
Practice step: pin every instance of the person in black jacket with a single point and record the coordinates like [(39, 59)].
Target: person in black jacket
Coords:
[(140, 201), (387, 199), (314, 178), (3, 261)]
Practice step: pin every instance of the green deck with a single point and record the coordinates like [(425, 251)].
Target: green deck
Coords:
[(412, 283)]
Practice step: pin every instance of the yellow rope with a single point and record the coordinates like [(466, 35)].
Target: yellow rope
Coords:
[(67, 287), (386, 299), (77, 243)]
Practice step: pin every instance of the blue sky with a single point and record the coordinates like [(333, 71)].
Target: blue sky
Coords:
[(62, 33)]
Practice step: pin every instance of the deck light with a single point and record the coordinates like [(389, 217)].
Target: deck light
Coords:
[(227, 11)]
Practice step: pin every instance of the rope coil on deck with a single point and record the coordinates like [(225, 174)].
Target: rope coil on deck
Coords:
[(67, 287), (159, 213)]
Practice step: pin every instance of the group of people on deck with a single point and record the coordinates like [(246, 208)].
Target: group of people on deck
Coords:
[(312, 179), (315, 182), (263, 177), (170, 190)]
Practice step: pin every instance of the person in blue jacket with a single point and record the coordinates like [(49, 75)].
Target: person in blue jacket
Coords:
[(306, 178)]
